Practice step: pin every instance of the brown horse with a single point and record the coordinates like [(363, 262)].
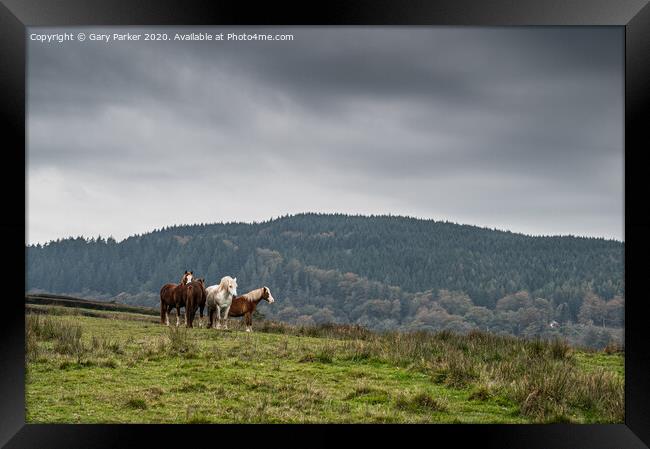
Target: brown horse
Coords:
[(245, 305), (194, 296), (171, 297)]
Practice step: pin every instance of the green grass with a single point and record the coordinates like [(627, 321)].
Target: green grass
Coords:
[(115, 368)]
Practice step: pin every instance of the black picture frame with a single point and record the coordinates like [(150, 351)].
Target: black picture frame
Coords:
[(633, 15)]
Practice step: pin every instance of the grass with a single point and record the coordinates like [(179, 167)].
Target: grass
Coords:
[(116, 368)]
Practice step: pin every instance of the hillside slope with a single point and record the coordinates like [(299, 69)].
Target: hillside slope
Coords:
[(117, 367), (377, 271)]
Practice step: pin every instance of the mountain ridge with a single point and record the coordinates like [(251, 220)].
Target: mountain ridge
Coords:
[(356, 269), (316, 214)]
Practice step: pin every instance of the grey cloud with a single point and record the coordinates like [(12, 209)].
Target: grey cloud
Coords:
[(422, 121)]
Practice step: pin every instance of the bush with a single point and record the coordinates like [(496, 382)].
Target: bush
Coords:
[(32, 349), (601, 392), (481, 393), (180, 341), (543, 391), (613, 348), (137, 403), (66, 336), (460, 372), (46, 328), (68, 341), (328, 330), (105, 345), (325, 355), (420, 402), (560, 349), (537, 348)]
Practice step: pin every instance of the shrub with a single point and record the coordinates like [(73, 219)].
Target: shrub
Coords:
[(560, 349), (613, 348), (69, 341), (481, 393), (369, 395), (357, 351), (542, 393), (45, 327), (32, 349), (105, 345), (137, 403), (325, 355), (180, 341), (536, 348), (602, 392), (420, 402), (110, 363), (461, 372)]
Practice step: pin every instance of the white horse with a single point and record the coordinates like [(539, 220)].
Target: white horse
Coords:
[(219, 297)]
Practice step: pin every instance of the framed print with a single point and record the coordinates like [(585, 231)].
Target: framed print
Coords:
[(424, 217)]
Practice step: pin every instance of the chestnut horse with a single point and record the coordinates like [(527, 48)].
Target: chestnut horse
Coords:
[(245, 305), (171, 297), (194, 297)]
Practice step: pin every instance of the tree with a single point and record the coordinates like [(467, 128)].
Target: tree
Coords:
[(595, 337), (305, 320), (593, 310), (288, 314), (615, 311), (562, 313), (515, 301), (324, 315), (455, 303), (479, 316), (435, 273)]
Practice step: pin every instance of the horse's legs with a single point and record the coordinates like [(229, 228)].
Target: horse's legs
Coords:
[(218, 311), (201, 318), (248, 319), (198, 308), (225, 318), (178, 316), (188, 316)]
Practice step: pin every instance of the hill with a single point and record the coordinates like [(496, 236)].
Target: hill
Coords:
[(383, 272), (103, 366)]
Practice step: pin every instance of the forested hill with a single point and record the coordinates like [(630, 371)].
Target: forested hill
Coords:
[(377, 270)]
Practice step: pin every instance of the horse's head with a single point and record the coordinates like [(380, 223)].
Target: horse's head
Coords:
[(230, 284), (187, 277), (267, 296), (232, 287)]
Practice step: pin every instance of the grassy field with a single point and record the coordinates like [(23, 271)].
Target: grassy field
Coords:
[(96, 366)]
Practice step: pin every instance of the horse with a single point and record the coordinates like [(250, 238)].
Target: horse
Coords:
[(202, 301), (245, 305), (194, 296), (171, 297), (220, 297)]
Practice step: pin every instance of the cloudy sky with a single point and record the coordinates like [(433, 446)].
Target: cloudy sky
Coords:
[(518, 129)]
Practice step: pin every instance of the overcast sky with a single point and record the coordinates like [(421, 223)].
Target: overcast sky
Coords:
[(518, 129)]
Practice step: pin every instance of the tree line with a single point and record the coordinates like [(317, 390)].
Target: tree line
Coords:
[(380, 271)]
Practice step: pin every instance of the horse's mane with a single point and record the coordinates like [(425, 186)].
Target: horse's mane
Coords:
[(253, 295), (224, 282)]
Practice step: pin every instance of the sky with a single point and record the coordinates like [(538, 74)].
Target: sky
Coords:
[(518, 129)]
